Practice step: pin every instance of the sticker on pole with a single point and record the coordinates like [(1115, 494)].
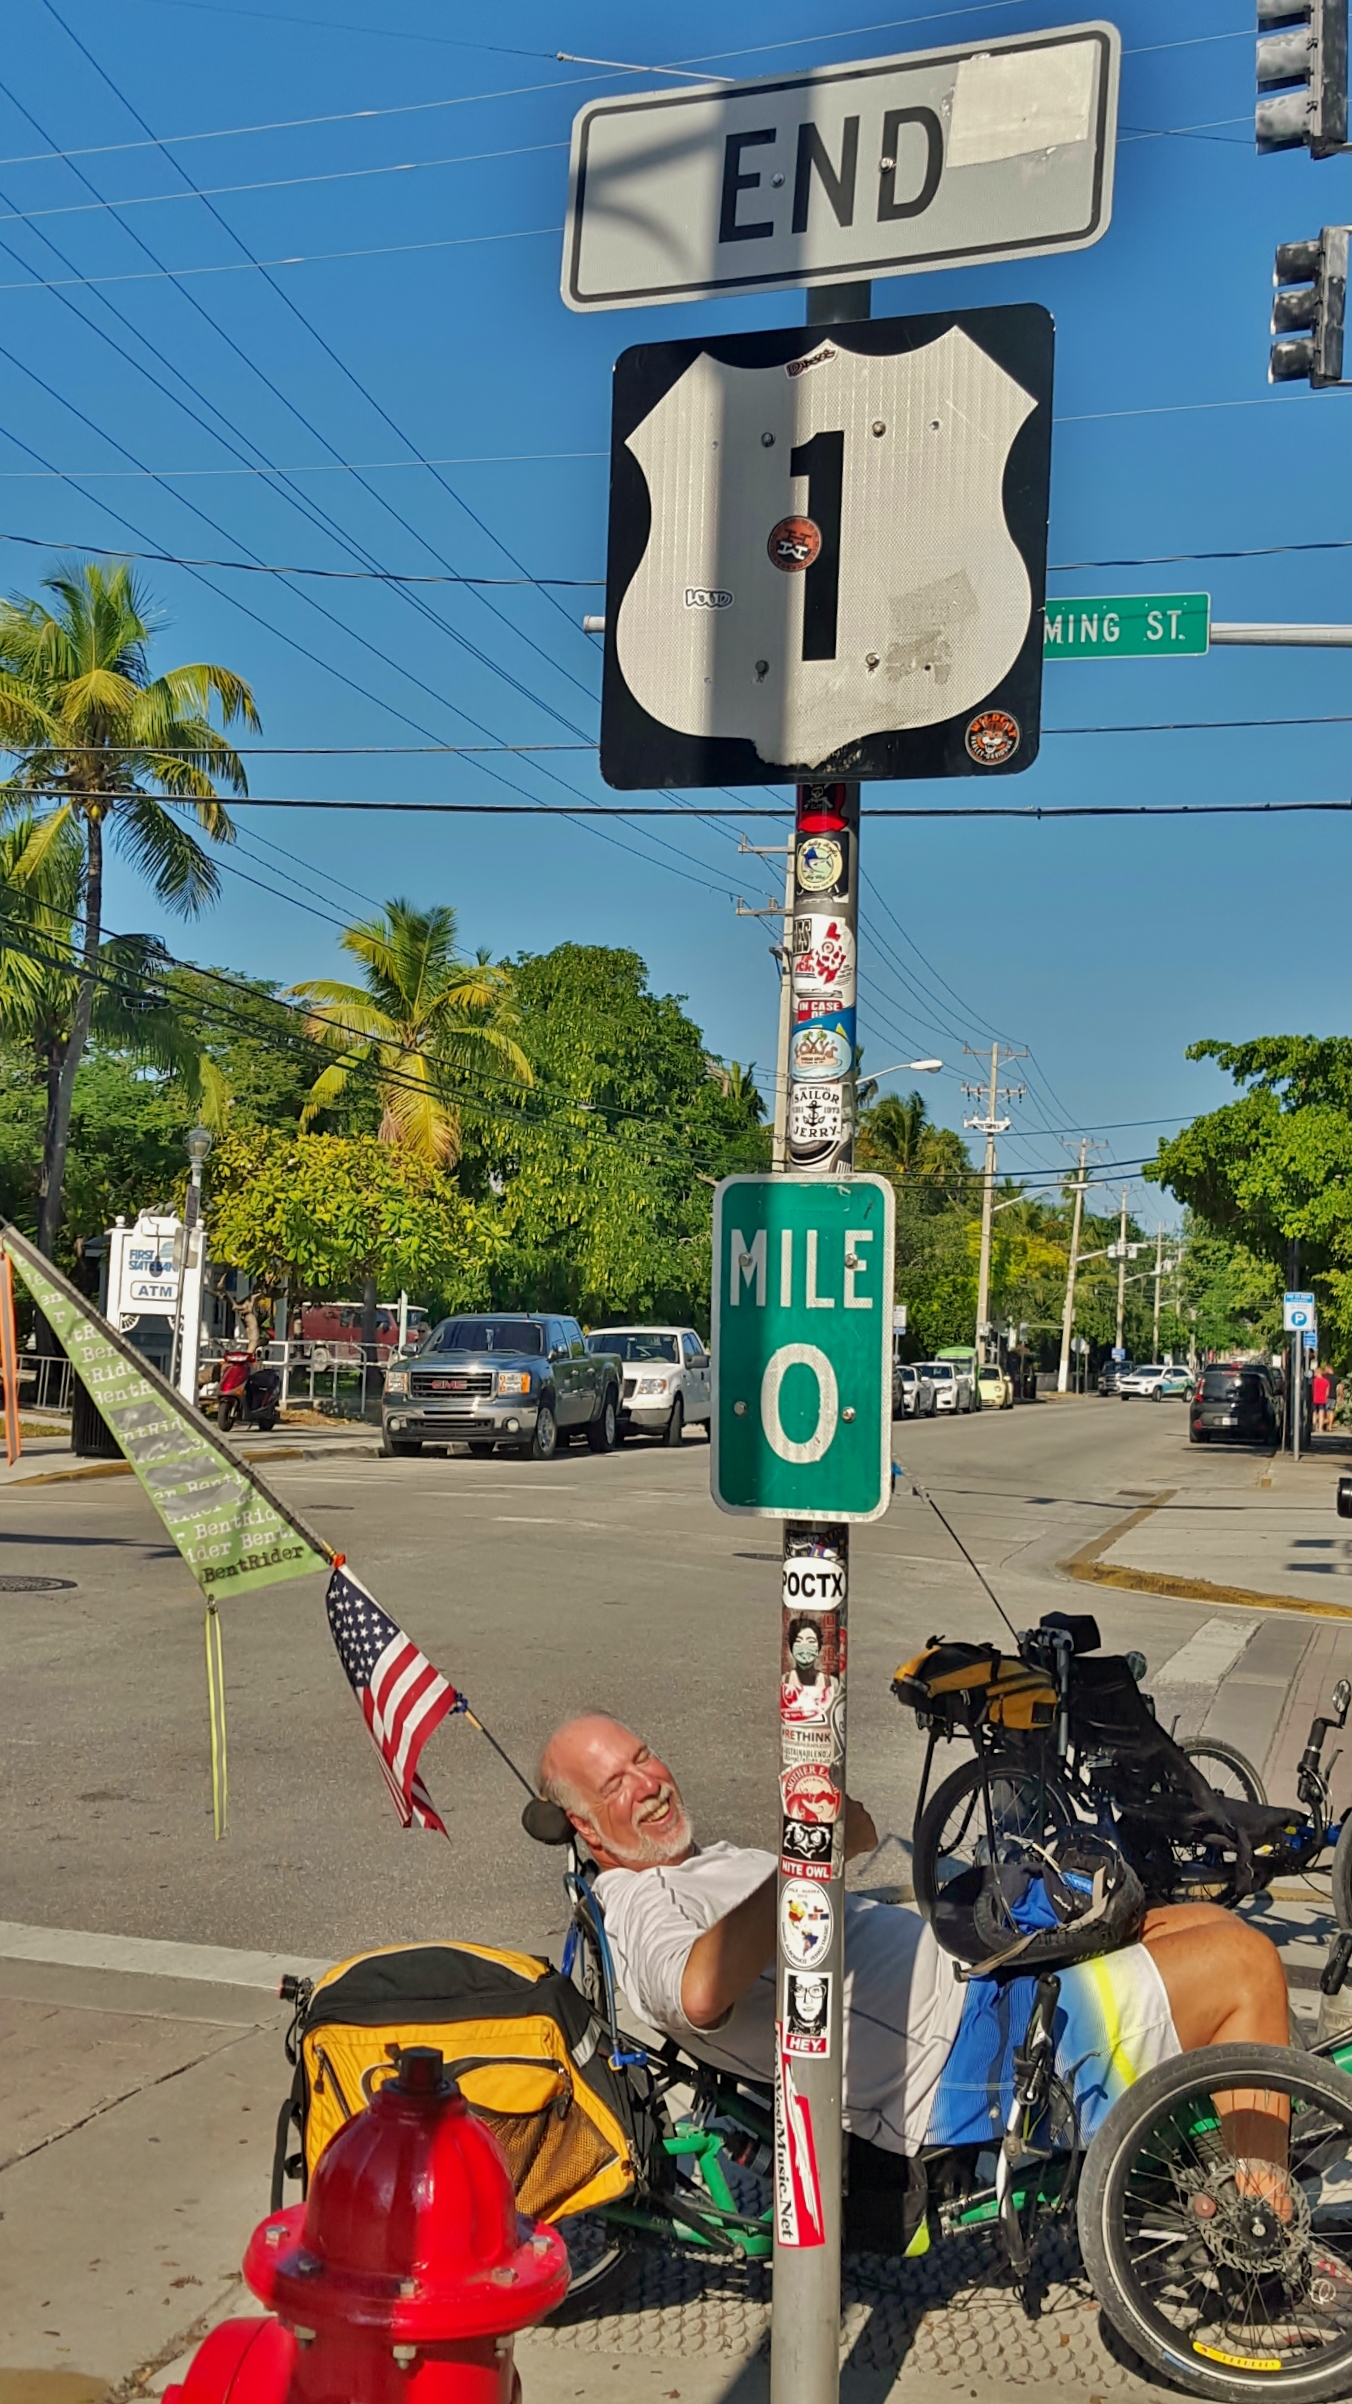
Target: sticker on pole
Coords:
[(802, 1351)]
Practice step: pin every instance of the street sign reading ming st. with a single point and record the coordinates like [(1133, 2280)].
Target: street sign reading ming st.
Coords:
[(891, 166), (802, 1347), (827, 552), (1133, 626)]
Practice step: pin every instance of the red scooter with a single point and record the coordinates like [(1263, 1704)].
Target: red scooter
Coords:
[(249, 1391)]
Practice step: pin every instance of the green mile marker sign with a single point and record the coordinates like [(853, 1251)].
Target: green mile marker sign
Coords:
[(802, 1347), (1134, 626)]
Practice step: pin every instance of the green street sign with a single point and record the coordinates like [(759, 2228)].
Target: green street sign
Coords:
[(1135, 626), (802, 1346)]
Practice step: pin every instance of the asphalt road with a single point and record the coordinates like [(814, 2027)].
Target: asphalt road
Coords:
[(538, 1589)]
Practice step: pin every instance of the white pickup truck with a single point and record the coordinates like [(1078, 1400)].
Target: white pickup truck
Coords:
[(666, 1379)]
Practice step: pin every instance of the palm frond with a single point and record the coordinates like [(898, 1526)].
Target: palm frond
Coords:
[(326, 1089), (167, 855)]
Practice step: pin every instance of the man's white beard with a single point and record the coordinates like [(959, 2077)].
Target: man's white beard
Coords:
[(650, 1848)]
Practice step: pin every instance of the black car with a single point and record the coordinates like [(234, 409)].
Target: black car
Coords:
[(1110, 1373), (1235, 1398)]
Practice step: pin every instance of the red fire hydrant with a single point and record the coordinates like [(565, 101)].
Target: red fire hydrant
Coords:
[(402, 2279)]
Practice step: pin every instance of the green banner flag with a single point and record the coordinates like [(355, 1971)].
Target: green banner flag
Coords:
[(231, 1531)]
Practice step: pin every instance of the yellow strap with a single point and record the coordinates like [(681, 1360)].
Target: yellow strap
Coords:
[(220, 1772)]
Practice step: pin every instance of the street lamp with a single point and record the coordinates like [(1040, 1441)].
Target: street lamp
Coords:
[(876, 1073), (199, 1141), (187, 1335)]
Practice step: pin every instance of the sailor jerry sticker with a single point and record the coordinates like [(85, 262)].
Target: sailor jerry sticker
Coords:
[(805, 1851), (806, 1922), (993, 738), (822, 1048), (809, 1792), (794, 543), (817, 1120), (806, 2025), (823, 957), (809, 1679), (820, 864), (799, 2219)]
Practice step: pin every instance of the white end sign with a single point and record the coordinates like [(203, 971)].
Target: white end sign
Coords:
[(892, 166)]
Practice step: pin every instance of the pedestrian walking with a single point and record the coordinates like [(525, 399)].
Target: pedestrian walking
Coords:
[(1321, 1396)]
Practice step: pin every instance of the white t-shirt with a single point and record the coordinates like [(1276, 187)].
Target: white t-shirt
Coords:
[(902, 2001)]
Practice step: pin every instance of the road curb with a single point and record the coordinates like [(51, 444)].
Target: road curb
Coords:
[(276, 1452), (1088, 1569)]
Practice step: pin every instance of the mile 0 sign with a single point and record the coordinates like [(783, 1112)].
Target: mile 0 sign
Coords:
[(827, 552), (802, 1347)]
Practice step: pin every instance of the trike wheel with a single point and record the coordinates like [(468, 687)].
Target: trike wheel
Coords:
[(1227, 1771), (950, 1834), (1225, 2287), (602, 2260)]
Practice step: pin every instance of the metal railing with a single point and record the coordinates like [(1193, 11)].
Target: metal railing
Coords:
[(343, 1380), (44, 1382)]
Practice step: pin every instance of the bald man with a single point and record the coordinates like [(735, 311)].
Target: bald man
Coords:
[(692, 1930)]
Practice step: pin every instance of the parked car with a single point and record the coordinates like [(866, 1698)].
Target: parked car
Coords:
[(952, 1385), (912, 1391), (1235, 1398), (967, 1361), (1176, 1381), (1110, 1374), (665, 1385), (333, 1330), (995, 1388), (516, 1378)]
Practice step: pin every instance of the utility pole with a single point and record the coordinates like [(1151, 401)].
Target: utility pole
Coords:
[(1068, 1315), (993, 1094), (1122, 1271), (810, 2087), (1159, 1272), (779, 1157)]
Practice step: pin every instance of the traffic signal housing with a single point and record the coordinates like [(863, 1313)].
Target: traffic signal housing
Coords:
[(1310, 310), (1302, 76)]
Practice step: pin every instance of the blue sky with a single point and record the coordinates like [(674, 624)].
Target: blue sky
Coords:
[(288, 416)]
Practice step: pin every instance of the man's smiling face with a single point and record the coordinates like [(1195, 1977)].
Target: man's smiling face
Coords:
[(623, 1800)]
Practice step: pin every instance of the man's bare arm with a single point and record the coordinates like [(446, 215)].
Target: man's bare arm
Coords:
[(725, 1963)]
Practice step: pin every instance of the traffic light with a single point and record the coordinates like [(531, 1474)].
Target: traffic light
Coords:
[(1302, 76), (1311, 304)]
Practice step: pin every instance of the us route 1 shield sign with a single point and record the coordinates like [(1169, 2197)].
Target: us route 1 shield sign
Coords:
[(828, 552), (802, 1347)]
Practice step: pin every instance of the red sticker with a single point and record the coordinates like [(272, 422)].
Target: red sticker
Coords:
[(993, 737), (810, 1793), (798, 2196), (794, 543)]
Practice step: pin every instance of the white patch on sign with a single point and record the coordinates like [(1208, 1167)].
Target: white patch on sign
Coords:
[(818, 1444), (931, 581), (698, 596), (1007, 103), (806, 1922)]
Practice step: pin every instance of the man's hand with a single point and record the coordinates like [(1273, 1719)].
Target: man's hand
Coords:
[(860, 1834)]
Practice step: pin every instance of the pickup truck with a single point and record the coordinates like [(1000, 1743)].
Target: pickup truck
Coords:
[(666, 1379), (520, 1379)]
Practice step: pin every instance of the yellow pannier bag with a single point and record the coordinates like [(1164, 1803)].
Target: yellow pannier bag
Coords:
[(527, 2050), (953, 1686)]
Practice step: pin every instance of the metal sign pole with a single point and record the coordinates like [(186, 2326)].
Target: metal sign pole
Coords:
[(809, 2052)]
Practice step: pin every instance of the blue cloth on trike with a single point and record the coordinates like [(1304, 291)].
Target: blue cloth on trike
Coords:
[(1112, 2024)]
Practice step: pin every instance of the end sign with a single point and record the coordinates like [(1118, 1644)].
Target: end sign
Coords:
[(802, 1346)]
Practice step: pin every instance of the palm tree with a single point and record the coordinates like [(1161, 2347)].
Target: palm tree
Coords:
[(895, 1132), (422, 1015), (117, 750)]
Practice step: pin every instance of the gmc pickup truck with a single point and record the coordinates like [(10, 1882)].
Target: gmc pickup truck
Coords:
[(517, 1379)]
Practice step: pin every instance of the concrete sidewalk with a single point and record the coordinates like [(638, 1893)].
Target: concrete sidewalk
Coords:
[(48, 1460)]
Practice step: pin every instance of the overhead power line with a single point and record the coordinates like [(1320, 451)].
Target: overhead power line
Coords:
[(610, 809), (259, 567)]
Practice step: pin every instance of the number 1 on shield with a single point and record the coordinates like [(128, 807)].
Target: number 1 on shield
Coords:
[(822, 461)]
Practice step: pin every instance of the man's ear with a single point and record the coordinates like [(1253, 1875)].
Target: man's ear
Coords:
[(590, 1836)]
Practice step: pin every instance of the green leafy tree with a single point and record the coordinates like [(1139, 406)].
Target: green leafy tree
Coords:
[(129, 755), (325, 1213), (1275, 1167)]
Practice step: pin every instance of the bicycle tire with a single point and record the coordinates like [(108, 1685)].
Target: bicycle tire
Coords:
[(603, 2261), (1158, 2147), (960, 1795), (1249, 1787), (1342, 1875)]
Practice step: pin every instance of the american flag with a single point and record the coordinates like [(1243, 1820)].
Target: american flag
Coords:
[(402, 1697)]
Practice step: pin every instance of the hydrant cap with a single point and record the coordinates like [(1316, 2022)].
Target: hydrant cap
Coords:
[(411, 2227)]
